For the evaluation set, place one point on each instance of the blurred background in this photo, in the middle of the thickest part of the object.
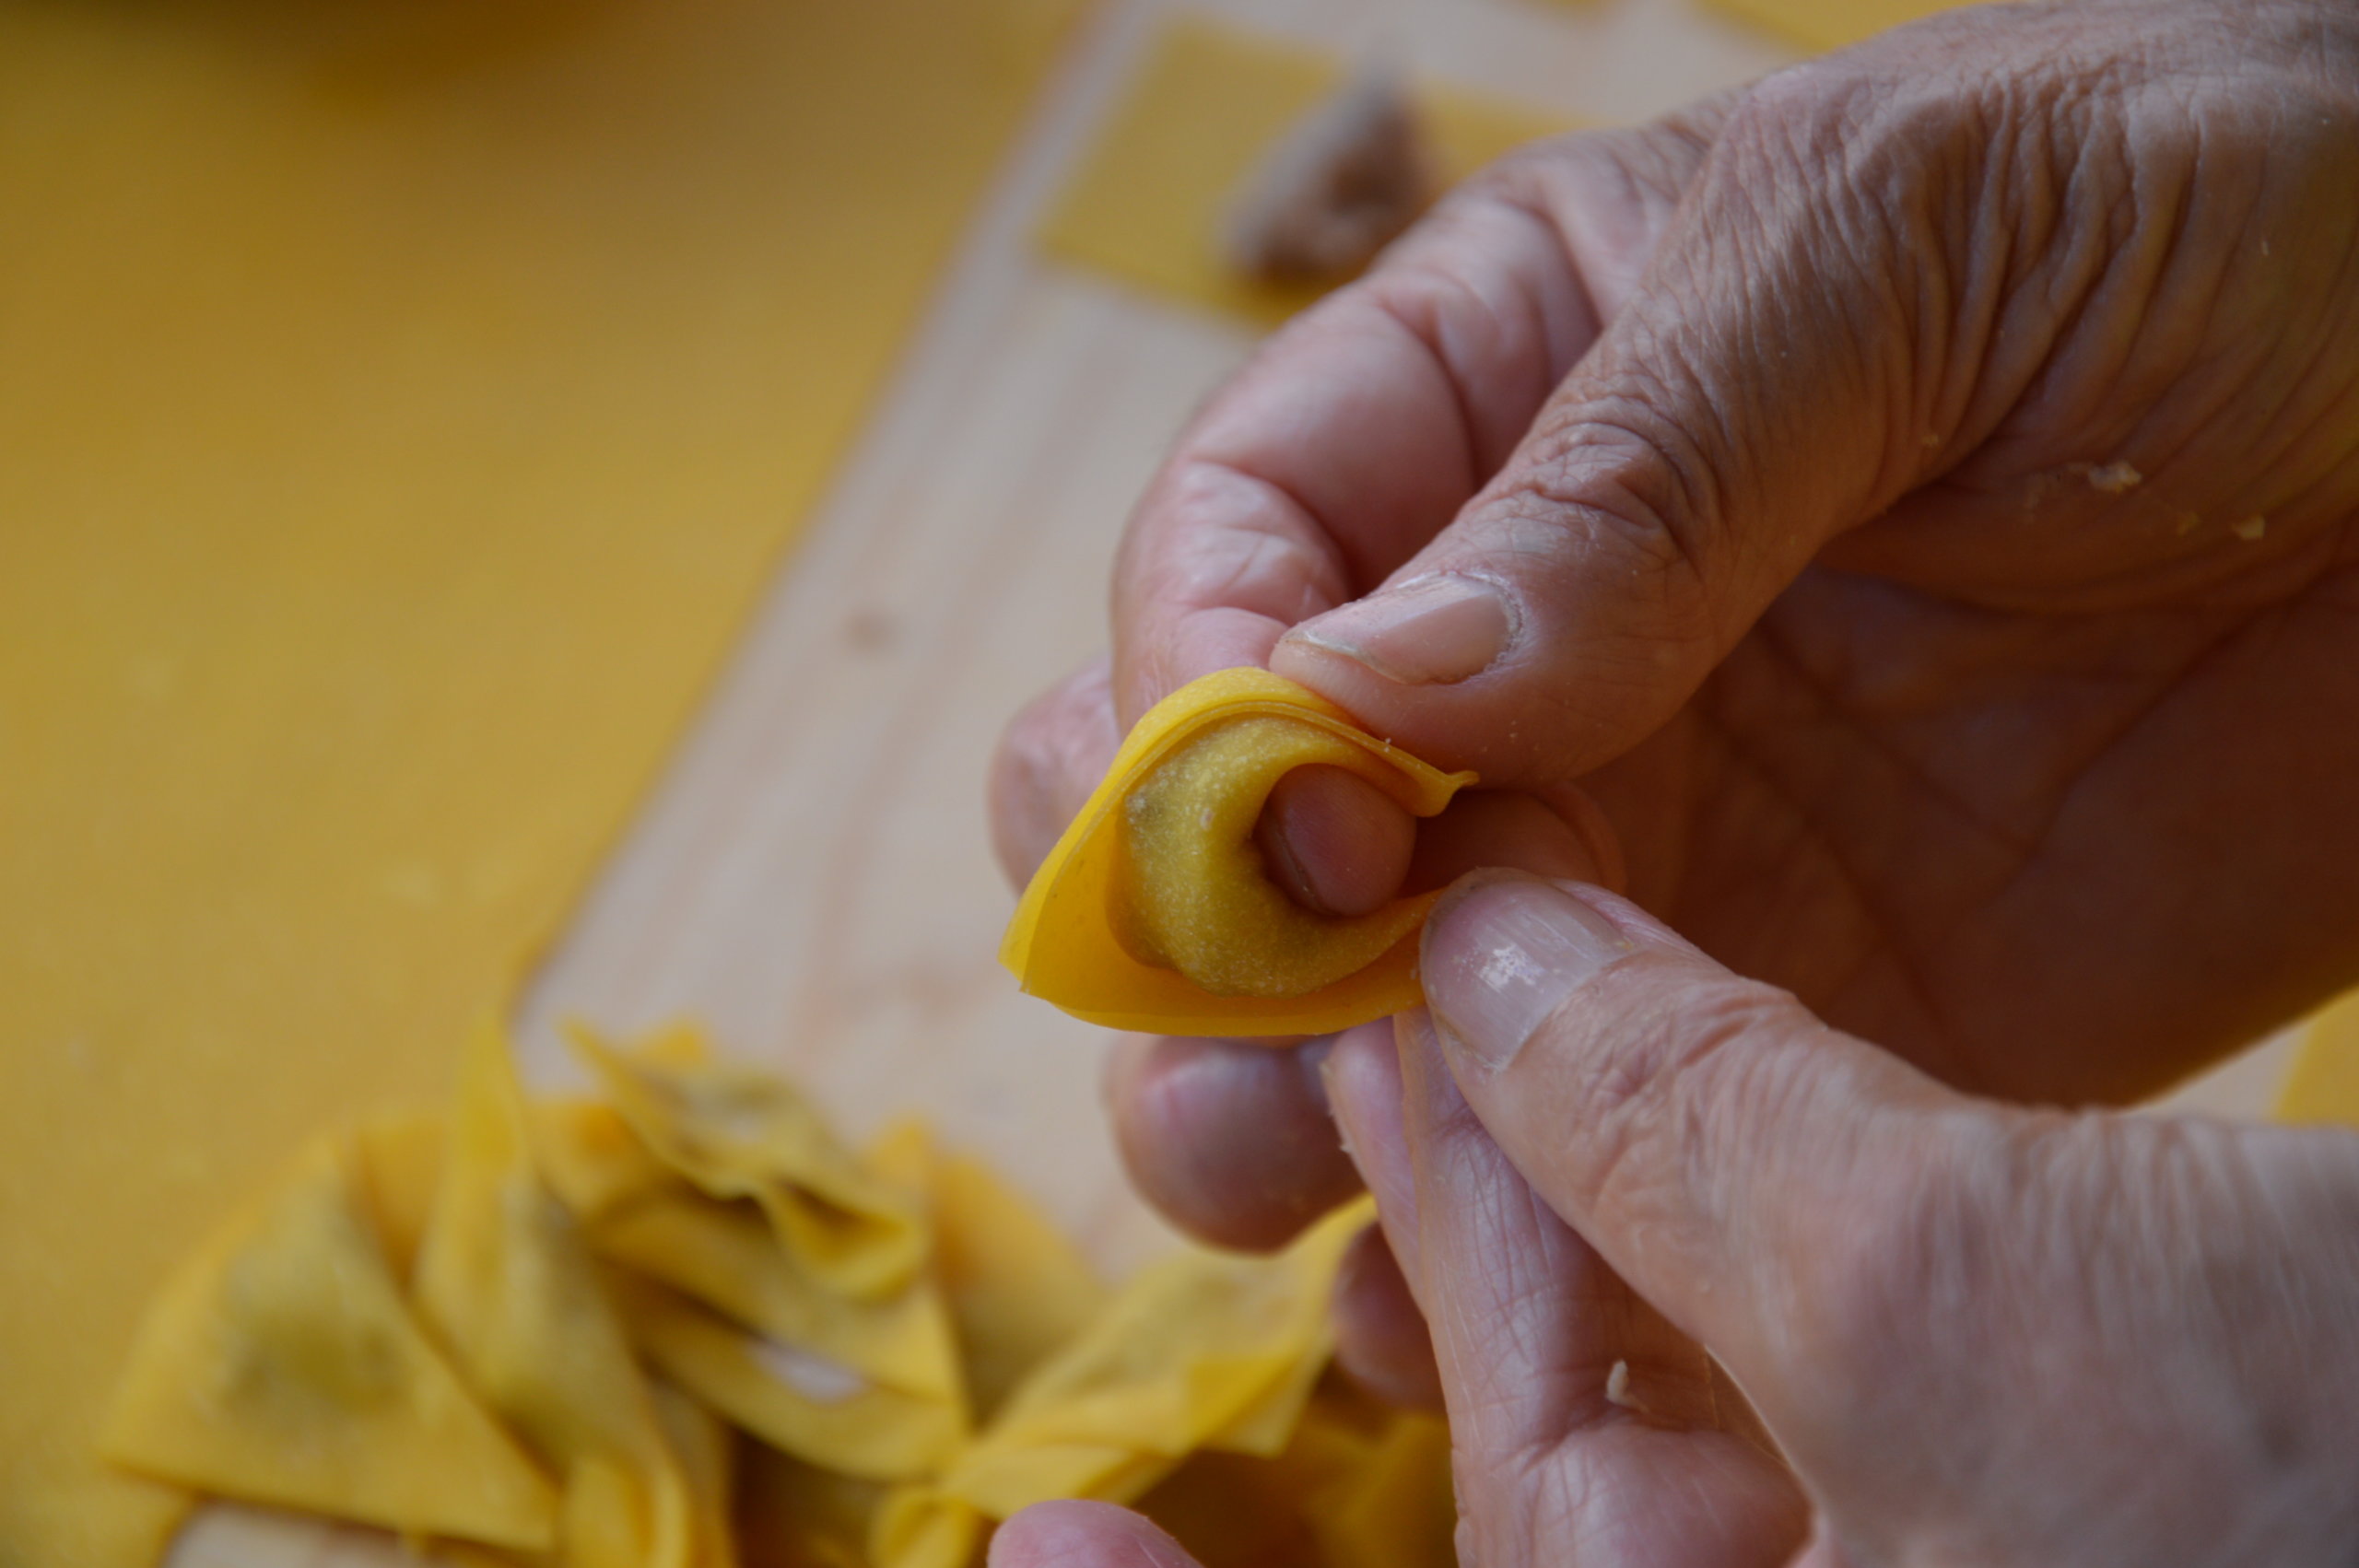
(540, 507)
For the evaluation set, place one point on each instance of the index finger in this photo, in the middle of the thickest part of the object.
(1351, 438)
(1578, 1414)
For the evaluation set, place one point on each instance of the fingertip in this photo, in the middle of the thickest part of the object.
(1381, 1336)
(1504, 952)
(1335, 842)
(1709, 1135)
(1558, 833)
(1048, 760)
(1229, 1139)
(1074, 1534)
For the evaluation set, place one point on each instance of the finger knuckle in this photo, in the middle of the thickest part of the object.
(1660, 1101)
(1615, 474)
(1904, 1258)
(1811, 113)
(1044, 766)
(1844, 164)
(1233, 538)
(1627, 457)
(1563, 182)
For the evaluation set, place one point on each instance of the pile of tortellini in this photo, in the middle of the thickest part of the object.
(680, 1325)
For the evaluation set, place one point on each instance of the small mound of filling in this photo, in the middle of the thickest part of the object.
(1192, 892)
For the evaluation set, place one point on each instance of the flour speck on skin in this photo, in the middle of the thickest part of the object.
(1507, 965)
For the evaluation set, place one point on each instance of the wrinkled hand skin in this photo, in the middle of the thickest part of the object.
(1784, 430)
(1977, 1334)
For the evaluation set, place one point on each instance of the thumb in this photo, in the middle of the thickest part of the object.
(1753, 398)
(1737, 1162)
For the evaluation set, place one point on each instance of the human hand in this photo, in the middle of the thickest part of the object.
(1756, 476)
(1979, 1334)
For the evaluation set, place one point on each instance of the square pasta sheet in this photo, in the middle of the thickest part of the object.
(1146, 204)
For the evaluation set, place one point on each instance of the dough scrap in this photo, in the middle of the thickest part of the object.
(1152, 912)
(796, 1515)
(282, 1366)
(1342, 184)
(707, 1456)
(596, 1163)
(399, 1161)
(783, 1280)
(791, 1398)
(1390, 1506)
(1203, 1350)
(737, 1133)
(1194, 1391)
(1017, 1290)
(1358, 1484)
(507, 1282)
(1153, 204)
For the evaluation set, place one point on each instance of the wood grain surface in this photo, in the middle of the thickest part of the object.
(812, 878)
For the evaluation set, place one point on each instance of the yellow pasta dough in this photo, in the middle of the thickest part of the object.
(1191, 892)
(791, 1514)
(1149, 204)
(1832, 24)
(400, 1161)
(785, 1281)
(1358, 1484)
(1153, 912)
(1016, 1289)
(2324, 1083)
(738, 1134)
(707, 1456)
(282, 1366)
(595, 1161)
(507, 1284)
(724, 1257)
(1203, 1350)
(791, 1398)
(1393, 1507)
(580, 1307)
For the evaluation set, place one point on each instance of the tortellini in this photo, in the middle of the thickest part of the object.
(1153, 912)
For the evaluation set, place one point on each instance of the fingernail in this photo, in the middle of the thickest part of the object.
(1429, 631)
(1502, 954)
